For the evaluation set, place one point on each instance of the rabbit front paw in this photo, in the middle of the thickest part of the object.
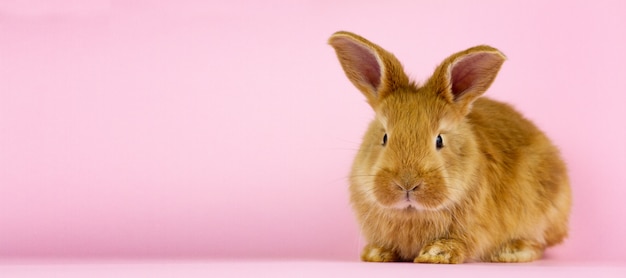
(443, 251)
(378, 254)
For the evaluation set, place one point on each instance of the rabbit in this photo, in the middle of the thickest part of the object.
(444, 175)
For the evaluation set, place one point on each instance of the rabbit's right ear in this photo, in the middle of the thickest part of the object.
(373, 70)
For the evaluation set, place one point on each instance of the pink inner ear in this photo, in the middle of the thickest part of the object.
(362, 60)
(472, 70)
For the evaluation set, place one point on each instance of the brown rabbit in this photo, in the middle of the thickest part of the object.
(444, 175)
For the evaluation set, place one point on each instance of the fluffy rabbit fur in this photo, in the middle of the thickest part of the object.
(444, 175)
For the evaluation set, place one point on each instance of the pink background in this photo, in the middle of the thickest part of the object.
(201, 129)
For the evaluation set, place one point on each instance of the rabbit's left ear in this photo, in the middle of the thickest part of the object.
(374, 71)
(466, 75)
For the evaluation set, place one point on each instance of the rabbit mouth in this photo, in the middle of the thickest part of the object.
(409, 208)
(408, 204)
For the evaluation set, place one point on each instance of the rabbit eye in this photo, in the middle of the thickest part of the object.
(439, 142)
(385, 140)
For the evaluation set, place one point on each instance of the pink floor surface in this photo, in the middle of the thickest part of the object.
(304, 268)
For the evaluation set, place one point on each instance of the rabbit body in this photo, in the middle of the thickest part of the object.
(445, 175)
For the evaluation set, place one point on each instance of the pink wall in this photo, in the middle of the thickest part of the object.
(195, 129)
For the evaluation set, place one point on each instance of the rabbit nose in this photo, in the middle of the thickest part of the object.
(408, 186)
